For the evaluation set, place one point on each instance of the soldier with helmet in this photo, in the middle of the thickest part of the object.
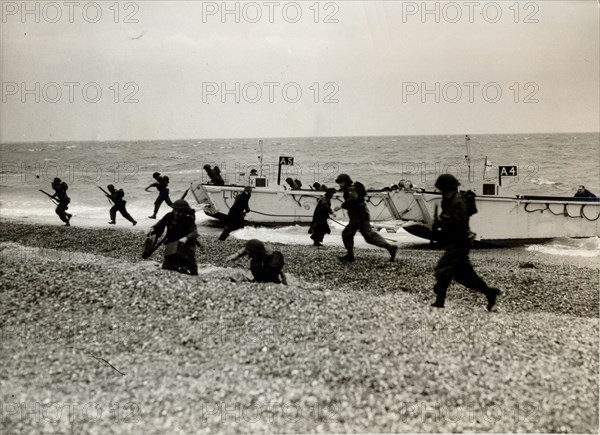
(265, 267)
(181, 239)
(320, 225)
(360, 220)
(237, 212)
(452, 228)
(116, 196)
(162, 186)
(60, 195)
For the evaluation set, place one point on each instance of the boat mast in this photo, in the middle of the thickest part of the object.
(260, 157)
(468, 156)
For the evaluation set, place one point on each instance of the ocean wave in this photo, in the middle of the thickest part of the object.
(543, 182)
(589, 247)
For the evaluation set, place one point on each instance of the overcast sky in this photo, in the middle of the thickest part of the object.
(373, 64)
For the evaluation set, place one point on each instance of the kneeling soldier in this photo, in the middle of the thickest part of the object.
(181, 242)
(265, 267)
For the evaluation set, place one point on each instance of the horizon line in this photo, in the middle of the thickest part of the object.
(292, 137)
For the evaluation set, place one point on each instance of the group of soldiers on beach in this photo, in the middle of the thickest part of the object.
(451, 227)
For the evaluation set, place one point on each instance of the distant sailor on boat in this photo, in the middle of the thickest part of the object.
(162, 185)
(360, 220)
(452, 228)
(116, 196)
(582, 192)
(237, 212)
(60, 195)
(292, 183)
(265, 267)
(215, 175)
(181, 241)
(320, 225)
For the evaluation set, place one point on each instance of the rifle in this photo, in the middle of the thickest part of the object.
(150, 246)
(50, 196)
(185, 193)
(106, 193)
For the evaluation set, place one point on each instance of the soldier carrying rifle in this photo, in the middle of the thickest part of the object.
(116, 196)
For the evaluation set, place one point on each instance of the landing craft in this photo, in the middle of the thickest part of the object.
(502, 216)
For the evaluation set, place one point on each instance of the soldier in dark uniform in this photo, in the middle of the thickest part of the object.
(116, 196)
(237, 212)
(265, 267)
(215, 175)
(60, 194)
(582, 192)
(452, 228)
(320, 226)
(360, 220)
(162, 185)
(181, 229)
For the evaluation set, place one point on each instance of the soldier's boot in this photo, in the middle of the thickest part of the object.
(440, 297)
(349, 257)
(392, 250)
(492, 296)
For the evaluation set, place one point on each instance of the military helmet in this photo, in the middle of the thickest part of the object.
(255, 245)
(330, 191)
(343, 178)
(181, 204)
(156, 174)
(248, 189)
(447, 182)
(110, 187)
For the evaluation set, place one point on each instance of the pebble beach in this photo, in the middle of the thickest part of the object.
(97, 340)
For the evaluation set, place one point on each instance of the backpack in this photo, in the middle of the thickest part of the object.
(275, 261)
(469, 198)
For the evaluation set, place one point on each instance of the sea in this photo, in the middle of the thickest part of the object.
(547, 164)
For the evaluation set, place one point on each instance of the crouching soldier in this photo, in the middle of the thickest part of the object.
(265, 267)
(181, 241)
(452, 228)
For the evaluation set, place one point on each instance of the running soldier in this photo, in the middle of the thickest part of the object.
(116, 196)
(162, 185)
(452, 228)
(360, 220)
(60, 195)
(237, 212)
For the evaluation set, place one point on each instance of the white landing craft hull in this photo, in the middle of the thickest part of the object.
(276, 206)
(520, 219)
